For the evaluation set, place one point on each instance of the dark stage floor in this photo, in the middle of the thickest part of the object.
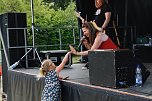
(76, 74)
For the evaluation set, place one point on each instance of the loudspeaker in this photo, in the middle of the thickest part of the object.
(14, 40)
(57, 56)
(114, 68)
(14, 37)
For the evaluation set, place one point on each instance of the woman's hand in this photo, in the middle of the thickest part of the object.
(98, 28)
(73, 50)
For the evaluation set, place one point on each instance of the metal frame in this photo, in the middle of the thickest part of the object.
(25, 42)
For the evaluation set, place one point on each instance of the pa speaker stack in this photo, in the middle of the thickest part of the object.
(12, 27)
(114, 68)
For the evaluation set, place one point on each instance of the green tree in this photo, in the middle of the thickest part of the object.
(47, 18)
(10, 6)
(62, 4)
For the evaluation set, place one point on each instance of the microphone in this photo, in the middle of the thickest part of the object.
(82, 39)
(14, 65)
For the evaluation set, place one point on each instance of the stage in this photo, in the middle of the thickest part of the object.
(23, 85)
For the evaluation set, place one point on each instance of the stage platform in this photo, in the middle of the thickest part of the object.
(23, 85)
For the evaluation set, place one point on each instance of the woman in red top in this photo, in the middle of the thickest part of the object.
(95, 39)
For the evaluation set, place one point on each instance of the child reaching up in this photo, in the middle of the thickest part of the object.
(52, 89)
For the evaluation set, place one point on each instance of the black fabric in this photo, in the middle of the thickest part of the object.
(75, 92)
(26, 87)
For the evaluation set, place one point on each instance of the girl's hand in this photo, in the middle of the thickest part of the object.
(60, 77)
(63, 78)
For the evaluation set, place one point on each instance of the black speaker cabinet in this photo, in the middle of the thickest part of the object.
(13, 37)
(57, 56)
(114, 68)
(13, 26)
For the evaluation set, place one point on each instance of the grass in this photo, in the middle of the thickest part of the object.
(75, 59)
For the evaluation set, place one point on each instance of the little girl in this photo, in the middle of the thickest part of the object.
(52, 89)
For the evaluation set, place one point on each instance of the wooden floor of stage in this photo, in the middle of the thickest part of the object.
(79, 75)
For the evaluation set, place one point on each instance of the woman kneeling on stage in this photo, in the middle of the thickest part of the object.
(96, 39)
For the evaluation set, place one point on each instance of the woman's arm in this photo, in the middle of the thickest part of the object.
(73, 51)
(96, 44)
(107, 20)
(62, 64)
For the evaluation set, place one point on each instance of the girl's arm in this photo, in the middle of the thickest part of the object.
(62, 64)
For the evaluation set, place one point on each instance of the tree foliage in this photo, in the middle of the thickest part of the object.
(10, 6)
(62, 4)
(48, 16)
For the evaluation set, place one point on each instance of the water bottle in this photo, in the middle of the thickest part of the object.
(150, 41)
(138, 76)
(122, 83)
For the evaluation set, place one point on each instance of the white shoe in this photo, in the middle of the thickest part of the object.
(83, 68)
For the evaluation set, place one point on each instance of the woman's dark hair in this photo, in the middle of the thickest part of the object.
(92, 31)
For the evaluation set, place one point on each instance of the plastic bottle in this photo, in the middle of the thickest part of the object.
(150, 41)
(138, 76)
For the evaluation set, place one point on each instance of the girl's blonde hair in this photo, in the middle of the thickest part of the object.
(46, 66)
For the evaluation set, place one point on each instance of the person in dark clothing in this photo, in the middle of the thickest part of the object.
(102, 18)
(103, 14)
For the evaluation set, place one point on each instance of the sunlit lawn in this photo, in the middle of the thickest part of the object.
(75, 59)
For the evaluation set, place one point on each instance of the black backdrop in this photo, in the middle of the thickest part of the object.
(87, 9)
(130, 13)
(140, 15)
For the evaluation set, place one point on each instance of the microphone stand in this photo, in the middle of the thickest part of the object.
(16, 63)
(33, 35)
(33, 25)
(32, 15)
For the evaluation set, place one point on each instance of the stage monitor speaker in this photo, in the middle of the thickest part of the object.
(114, 68)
